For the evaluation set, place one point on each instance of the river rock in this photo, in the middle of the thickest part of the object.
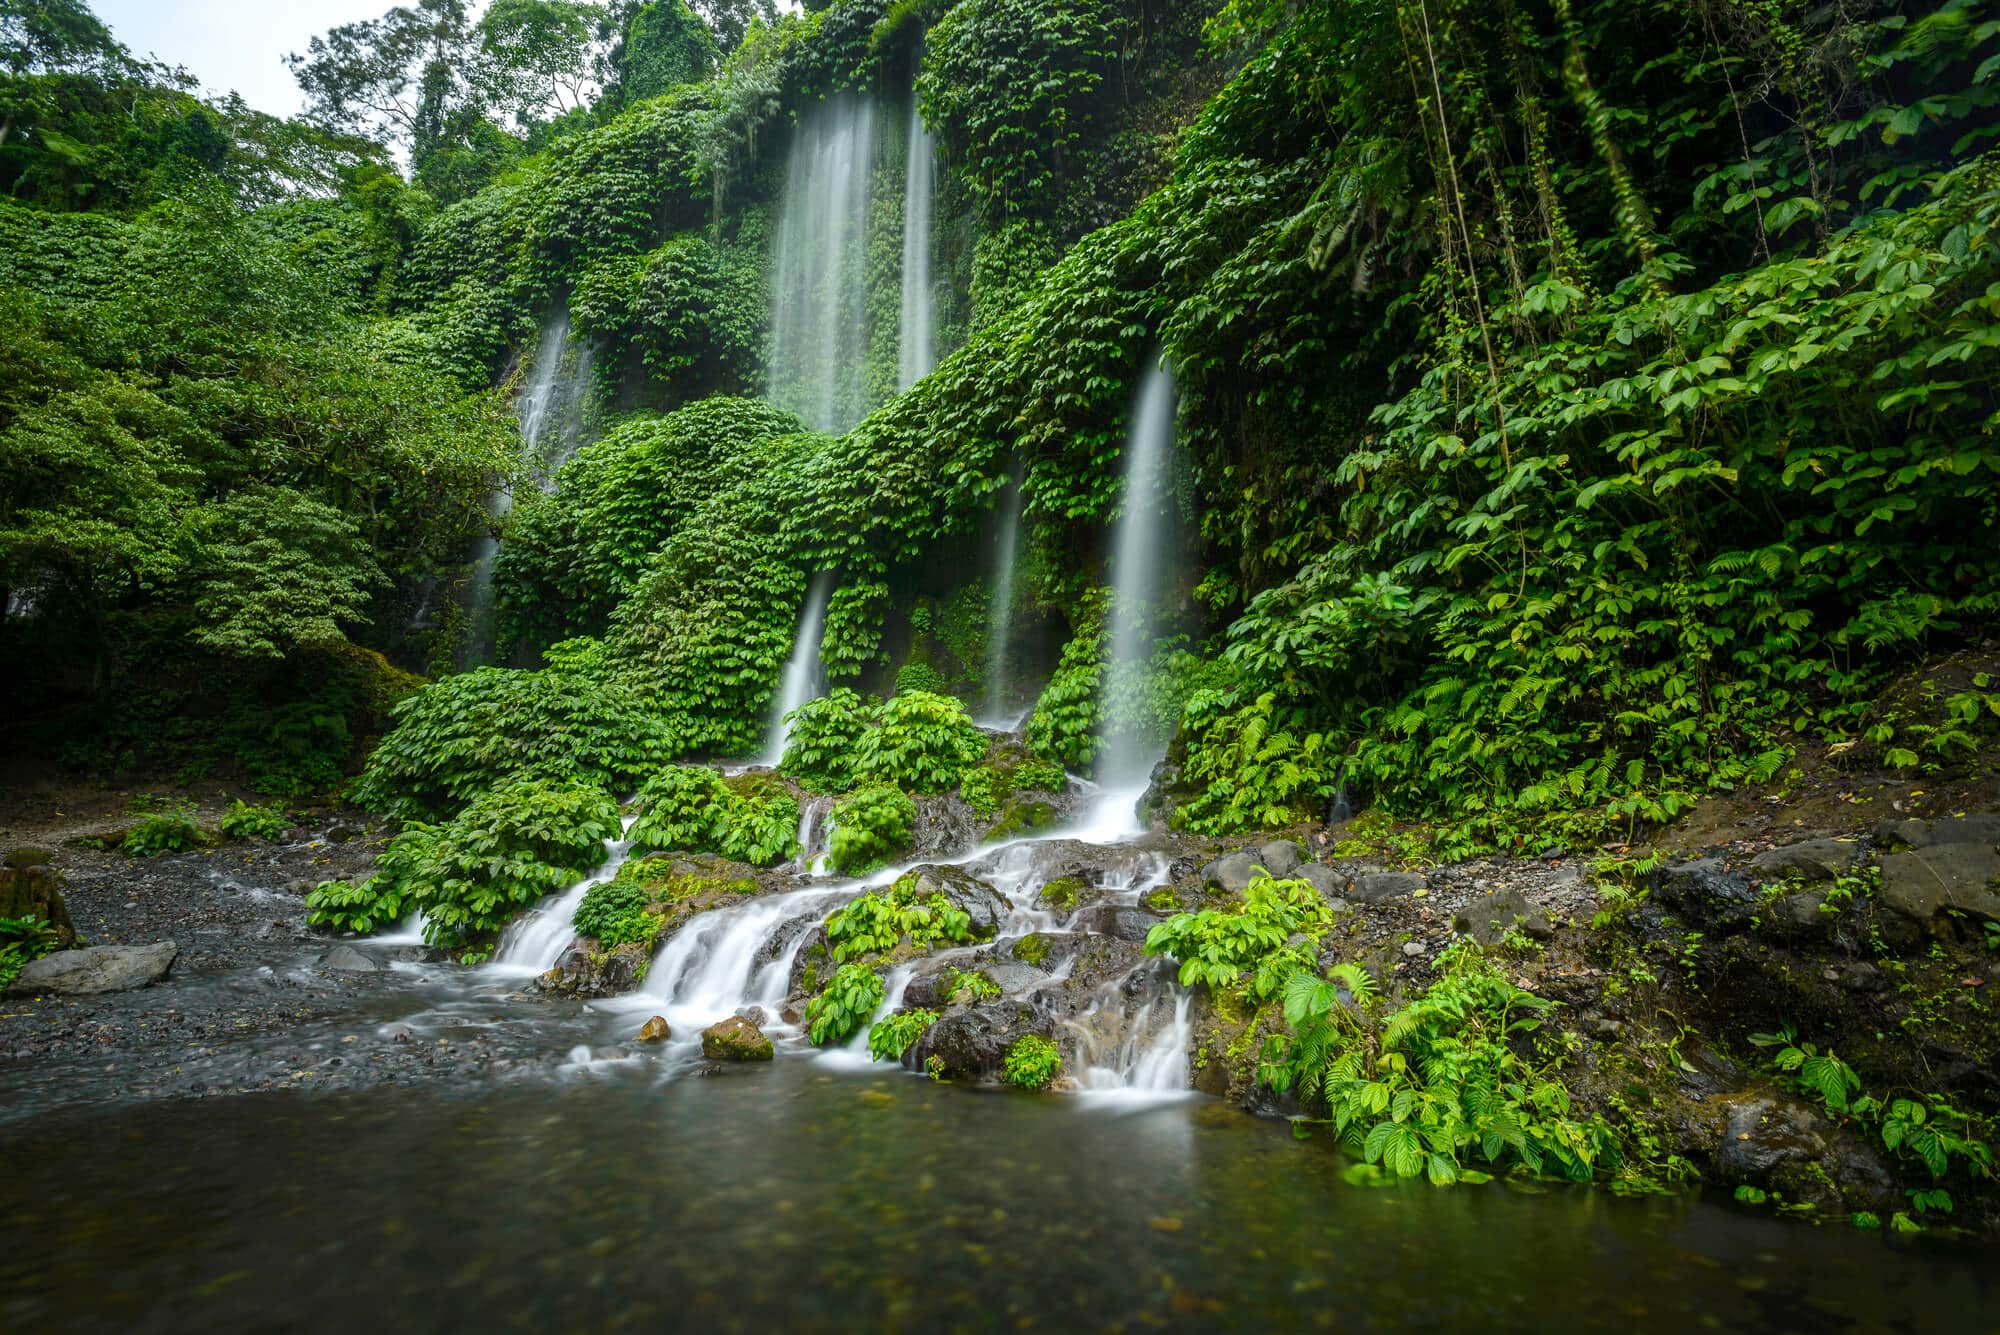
(984, 905)
(1233, 872)
(1013, 977)
(1783, 1145)
(735, 1040)
(1324, 879)
(655, 1030)
(973, 1042)
(1922, 884)
(1372, 885)
(1281, 857)
(1704, 884)
(1979, 827)
(346, 959)
(30, 887)
(1488, 919)
(96, 969)
(1813, 860)
(1799, 917)
(1124, 921)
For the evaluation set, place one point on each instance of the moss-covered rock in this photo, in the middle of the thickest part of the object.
(736, 1040)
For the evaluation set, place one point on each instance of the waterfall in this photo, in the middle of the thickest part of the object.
(819, 293)
(1000, 609)
(916, 352)
(549, 408)
(801, 681)
(1136, 1034)
(734, 957)
(815, 831)
(535, 942)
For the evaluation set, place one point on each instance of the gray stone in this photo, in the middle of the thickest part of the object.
(735, 1040)
(346, 959)
(1979, 827)
(1322, 878)
(973, 1042)
(1379, 887)
(1281, 857)
(1925, 882)
(1014, 977)
(96, 969)
(1488, 920)
(983, 905)
(1233, 873)
(1812, 860)
(1703, 883)
(1123, 921)
(1784, 1145)
(1413, 948)
(1799, 917)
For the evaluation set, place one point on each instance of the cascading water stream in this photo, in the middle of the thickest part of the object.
(536, 942)
(1000, 611)
(916, 351)
(802, 679)
(819, 316)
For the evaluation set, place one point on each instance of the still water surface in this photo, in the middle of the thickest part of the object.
(795, 1197)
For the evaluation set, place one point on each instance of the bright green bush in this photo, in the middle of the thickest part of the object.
(1447, 1076)
(1032, 1062)
(889, 1038)
(878, 921)
(349, 907)
(243, 821)
(919, 677)
(1243, 774)
(509, 846)
(985, 787)
(467, 733)
(1064, 725)
(825, 739)
(615, 914)
(1216, 946)
(694, 809)
(850, 997)
(870, 827)
(921, 743)
(25, 940)
(172, 830)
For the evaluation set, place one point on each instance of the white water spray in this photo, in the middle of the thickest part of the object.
(916, 351)
(819, 317)
(802, 679)
(1000, 609)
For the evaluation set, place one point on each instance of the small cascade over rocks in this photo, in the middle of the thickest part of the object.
(819, 291)
(550, 410)
(1134, 1038)
(536, 942)
(803, 679)
(916, 346)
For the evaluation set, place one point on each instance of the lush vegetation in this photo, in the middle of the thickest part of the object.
(615, 914)
(1031, 1062)
(694, 809)
(843, 1005)
(870, 827)
(877, 922)
(890, 1038)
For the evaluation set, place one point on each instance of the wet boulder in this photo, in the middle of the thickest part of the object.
(1490, 918)
(655, 1030)
(585, 973)
(1979, 827)
(1123, 921)
(31, 887)
(1326, 880)
(1705, 889)
(1782, 1145)
(972, 1043)
(95, 969)
(1281, 857)
(736, 1040)
(1372, 885)
(1813, 860)
(984, 905)
(346, 959)
(1232, 873)
(1924, 885)
(1013, 977)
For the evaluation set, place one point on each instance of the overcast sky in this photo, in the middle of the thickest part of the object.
(233, 44)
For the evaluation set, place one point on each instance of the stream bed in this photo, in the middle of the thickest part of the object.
(817, 1198)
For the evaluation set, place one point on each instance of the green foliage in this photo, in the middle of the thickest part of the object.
(243, 821)
(1243, 774)
(878, 922)
(23, 941)
(1215, 946)
(348, 907)
(964, 986)
(694, 809)
(870, 827)
(615, 914)
(1438, 1081)
(891, 1037)
(1031, 1062)
(466, 733)
(919, 678)
(172, 830)
(1008, 85)
(850, 997)
(1032, 949)
(987, 786)
(921, 742)
(1064, 724)
(823, 745)
(509, 847)
(1062, 892)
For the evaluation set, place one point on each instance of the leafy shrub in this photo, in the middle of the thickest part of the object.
(692, 808)
(824, 743)
(889, 1038)
(24, 940)
(966, 986)
(1215, 946)
(984, 787)
(508, 848)
(1064, 724)
(170, 831)
(1242, 774)
(615, 914)
(850, 997)
(878, 921)
(1032, 1062)
(467, 733)
(348, 907)
(921, 743)
(1438, 1080)
(919, 677)
(243, 821)
(870, 827)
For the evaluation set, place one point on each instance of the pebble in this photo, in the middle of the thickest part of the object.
(1413, 948)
